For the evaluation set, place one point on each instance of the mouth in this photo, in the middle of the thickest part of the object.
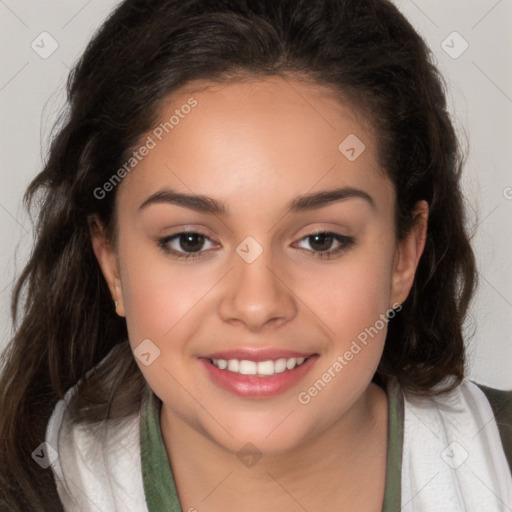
(257, 375)
(260, 368)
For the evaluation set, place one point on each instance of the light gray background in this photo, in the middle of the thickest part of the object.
(480, 96)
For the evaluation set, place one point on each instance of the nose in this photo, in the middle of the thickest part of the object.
(257, 294)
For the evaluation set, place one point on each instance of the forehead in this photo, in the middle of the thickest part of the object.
(268, 104)
(255, 136)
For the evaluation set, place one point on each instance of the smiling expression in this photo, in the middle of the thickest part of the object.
(252, 250)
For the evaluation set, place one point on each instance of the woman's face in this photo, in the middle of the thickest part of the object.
(270, 273)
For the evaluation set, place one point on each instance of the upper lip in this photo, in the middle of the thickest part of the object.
(256, 355)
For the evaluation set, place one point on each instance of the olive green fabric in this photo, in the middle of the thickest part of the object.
(159, 486)
(393, 492)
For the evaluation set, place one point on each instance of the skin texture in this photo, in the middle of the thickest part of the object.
(255, 146)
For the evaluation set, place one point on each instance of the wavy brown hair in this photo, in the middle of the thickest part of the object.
(65, 322)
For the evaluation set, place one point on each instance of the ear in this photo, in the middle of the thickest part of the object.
(408, 255)
(107, 259)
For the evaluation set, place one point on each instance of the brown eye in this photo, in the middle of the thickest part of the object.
(187, 244)
(191, 241)
(321, 244)
(321, 241)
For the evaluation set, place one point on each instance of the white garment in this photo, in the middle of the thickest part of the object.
(97, 470)
(452, 460)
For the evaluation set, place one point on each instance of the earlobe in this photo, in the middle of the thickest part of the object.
(107, 259)
(408, 255)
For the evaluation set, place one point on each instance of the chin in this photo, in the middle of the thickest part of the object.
(266, 437)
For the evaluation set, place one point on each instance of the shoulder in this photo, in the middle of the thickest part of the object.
(500, 401)
(100, 460)
(471, 403)
(468, 398)
(452, 442)
(501, 405)
(493, 407)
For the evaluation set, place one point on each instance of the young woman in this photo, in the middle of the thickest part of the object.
(250, 275)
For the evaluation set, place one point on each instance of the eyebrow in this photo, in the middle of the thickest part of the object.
(302, 203)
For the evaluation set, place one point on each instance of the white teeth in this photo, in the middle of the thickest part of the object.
(280, 365)
(233, 365)
(266, 368)
(290, 364)
(261, 368)
(247, 367)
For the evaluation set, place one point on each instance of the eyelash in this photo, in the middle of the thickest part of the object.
(346, 243)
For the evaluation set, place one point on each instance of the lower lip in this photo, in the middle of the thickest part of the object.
(252, 386)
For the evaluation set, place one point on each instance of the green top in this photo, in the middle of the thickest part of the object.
(160, 489)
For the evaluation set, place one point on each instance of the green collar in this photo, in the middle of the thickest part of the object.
(160, 489)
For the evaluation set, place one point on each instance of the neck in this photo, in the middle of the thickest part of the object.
(339, 464)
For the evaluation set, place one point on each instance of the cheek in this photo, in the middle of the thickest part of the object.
(161, 298)
(350, 295)
(352, 301)
(158, 293)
